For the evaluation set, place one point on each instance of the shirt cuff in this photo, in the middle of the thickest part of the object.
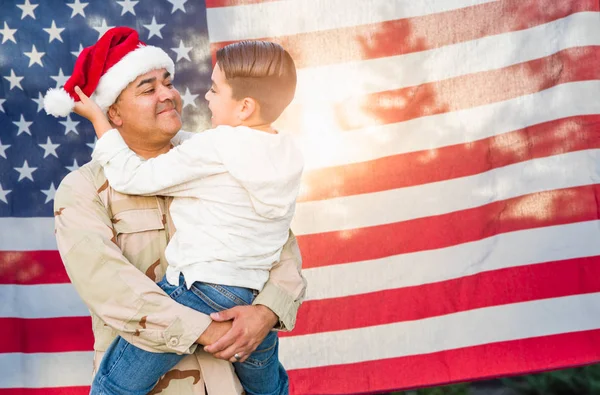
(107, 145)
(281, 303)
(181, 337)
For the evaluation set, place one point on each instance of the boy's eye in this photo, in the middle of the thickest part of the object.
(212, 90)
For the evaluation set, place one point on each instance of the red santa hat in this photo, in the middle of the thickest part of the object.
(103, 70)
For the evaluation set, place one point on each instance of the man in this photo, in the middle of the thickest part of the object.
(113, 245)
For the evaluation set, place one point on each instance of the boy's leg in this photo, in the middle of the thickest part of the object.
(126, 369)
(261, 373)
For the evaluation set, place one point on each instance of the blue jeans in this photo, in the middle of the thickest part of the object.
(126, 369)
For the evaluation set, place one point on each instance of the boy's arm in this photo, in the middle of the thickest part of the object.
(169, 174)
(115, 290)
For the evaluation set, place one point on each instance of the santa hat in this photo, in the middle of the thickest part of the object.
(103, 70)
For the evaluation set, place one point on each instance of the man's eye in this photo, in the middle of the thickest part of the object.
(170, 84)
(149, 91)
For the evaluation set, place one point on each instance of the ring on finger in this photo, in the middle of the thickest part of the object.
(237, 357)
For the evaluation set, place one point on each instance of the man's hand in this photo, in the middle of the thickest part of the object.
(251, 324)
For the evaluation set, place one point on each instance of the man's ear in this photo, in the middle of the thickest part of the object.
(114, 116)
(249, 106)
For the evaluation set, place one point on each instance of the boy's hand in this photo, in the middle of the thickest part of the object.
(251, 324)
(87, 108)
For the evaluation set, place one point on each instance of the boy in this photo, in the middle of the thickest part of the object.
(236, 187)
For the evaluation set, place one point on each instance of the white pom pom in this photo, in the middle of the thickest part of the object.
(57, 102)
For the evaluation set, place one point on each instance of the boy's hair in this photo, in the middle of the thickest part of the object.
(261, 70)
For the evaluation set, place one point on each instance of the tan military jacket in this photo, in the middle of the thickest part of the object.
(112, 246)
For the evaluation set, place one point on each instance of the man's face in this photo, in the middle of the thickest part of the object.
(148, 111)
(224, 108)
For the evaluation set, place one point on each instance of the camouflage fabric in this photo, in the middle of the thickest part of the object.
(112, 246)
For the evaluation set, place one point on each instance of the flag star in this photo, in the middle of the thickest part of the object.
(182, 51)
(54, 32)
(76, 53)
(3, 148)
(77, 8)
(102, 28)
(127, 6)
(92, 145)
(14, 80)
(70, 125)
(74, 167)
(154, 28)
(3, 193)
(1, 106)
(49, 148)
(27, 9)
(50, 192)
(188, 98)
(25, 171)
(177, 5)
(23, 126)
(8, 34)
(60, 79)
(39, 101)
(34, 56)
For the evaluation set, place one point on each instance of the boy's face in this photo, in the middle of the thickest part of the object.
(225, 110)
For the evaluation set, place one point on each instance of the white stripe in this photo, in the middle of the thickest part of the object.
(41, 301)
(283, 18)
(27, 234)
(324, 147)
(464, 329)
(352, 212)
(46, 369)
(355, 79)
(513, 249)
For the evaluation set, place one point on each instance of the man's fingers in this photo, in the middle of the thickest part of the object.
(225, 315)
(226, 341)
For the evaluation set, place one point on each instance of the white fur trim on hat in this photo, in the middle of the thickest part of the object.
(144, 59)
(57, 102)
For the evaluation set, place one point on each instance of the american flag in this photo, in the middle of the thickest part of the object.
(449, 215)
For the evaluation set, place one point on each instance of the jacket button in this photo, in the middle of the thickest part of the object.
(173, 341)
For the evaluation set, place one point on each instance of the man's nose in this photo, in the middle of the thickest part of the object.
(166, 93)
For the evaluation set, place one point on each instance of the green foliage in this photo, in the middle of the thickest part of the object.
(578, 381)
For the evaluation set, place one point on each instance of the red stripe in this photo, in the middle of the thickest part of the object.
(399, 171)
(32, 267)
(232, 3)
(463, 364)
(35, 335)
(398, 37)
(524, 212)
(504, 286)
(46, 391)
(468, 91)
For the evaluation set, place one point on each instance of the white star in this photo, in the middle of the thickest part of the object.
(25, 171)
(177, 5)
(127, 6)
(77, 8)
(50, 192)
(3, 148)
(102, 28)
(70, 125)
(1, 106)
(14, 80)
(49, 148)
(23, 126)
(27, 9)
(74, 167)
(34, 56)
(188, 98)
(54, 32)
(60, 79)
(3, 193)
(76, 53)
(92, 145)
(182, 52)
(8, 34)
(39, 101)
(154, 28)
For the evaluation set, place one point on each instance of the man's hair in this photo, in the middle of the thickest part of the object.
(261, 70)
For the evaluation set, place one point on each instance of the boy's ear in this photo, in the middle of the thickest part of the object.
(249, 106)
(114, 116)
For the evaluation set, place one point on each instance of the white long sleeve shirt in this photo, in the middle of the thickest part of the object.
(235, 191)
